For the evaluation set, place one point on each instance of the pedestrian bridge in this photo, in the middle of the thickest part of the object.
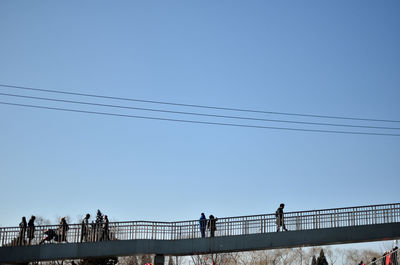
(244, 233)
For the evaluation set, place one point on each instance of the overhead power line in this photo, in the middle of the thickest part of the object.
(199, 114)
(198, 122)
(198, 106)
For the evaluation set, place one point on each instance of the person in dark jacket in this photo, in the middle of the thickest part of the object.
(105, 227)
(279, 218)
(203, 225)
(31, 229)
(212, 225)
(22, 231)
(394, 257)
(85, 228)
(50, 234)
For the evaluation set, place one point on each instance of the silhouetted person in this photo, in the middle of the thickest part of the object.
(22, 231)
(85, 228)
(50, 234)
(361, 263)
(203, 225)
(395, 260)
(279, 218)
(373, 261)
(384, 258)
(105, 227)
(62, 230)
(388, 259)
(393, 256)
(212, 225)
(31, 229)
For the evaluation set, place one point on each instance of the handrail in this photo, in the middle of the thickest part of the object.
(227, 226)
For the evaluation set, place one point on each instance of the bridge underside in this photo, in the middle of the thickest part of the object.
(291, 239)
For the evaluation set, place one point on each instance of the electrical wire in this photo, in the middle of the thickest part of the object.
(199, 114)
(198, 106)
(198, 122)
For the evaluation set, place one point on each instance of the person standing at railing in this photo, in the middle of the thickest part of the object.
(22, 232)
(203, 225)
(394, 258)
(212, 225)
(388, 260)
(62, 230)
(31, 229)
(105, 234)
(279, 218)
(361, 263)
(85, 228)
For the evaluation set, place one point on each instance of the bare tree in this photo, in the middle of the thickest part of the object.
(131, 260)
(200, 259)
(331, 256)
(175, 260)
(42, 221)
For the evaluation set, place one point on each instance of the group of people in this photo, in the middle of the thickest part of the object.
(59, 235)
(388, 258)
(211, 223)
(26, 229)
(89, 232)
(99, 231)
(94, 231)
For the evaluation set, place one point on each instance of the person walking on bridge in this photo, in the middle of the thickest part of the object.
(279, 218)
(85, 228)
(203, 225)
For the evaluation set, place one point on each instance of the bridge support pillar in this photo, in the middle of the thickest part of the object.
(159, 259)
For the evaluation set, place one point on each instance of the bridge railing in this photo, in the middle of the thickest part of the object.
(230, 226)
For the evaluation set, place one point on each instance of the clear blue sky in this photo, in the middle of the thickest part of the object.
(337, 58)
